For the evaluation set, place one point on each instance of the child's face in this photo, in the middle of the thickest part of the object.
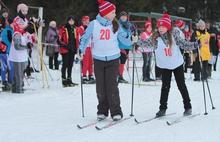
(71, 22)
(24, 11)
(85, 22)
(124, 18)
(162, 30)
(111, 16)
(149, 29)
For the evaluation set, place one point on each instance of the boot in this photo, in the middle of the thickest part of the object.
(70, 83)
(6, 86)
(161, 113)
(122, 80)
(101, 117)
(64, 82)
(84, 80)
(91, 79)
(117, 117)
(187, 112)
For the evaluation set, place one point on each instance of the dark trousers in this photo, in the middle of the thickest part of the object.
(180, 80)
(67, 65)
(186, 61)
(198, 72)
(147, 58)
(106, 74)
(157, 72)
(53, 61)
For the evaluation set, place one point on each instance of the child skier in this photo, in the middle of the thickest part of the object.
(167, 43)
(147, 53)
(87, 59)
(6, 65)
(205, 55)
(18, 53)
(104, 32)
(128, 29)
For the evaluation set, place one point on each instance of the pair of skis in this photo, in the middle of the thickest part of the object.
(169, 122)
(108, 125)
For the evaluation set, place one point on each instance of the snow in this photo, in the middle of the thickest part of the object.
(51, 114)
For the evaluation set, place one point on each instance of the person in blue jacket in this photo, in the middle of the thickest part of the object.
(128, 30)
(105, 34)
(6, 65)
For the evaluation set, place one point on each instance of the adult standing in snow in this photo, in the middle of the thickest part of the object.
(87, 58)
(20, 43)
(167, 43)
(52, 37)
(204, 37)
(213, 47)
(68, 39)
(106, 53)
(147, 53)
(128, 29)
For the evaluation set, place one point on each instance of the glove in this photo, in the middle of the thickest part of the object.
(197, 44)
(29, 45)
(134, 38)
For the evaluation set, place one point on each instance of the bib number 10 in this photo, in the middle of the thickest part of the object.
(104, 34)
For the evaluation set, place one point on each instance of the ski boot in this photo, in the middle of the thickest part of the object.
(122, 80)
(161, 113)
(187, 112)
(70, 83)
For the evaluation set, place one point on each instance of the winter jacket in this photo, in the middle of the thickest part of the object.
(52, 37)
(204, 38)
(67, 42)
(168, 57)
(108, 53)
(126, 32)
(6, 36)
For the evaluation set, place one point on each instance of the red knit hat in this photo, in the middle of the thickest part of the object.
(84, 18)
(147, 23)
(179, 23)
(164, 21)
(105, 7)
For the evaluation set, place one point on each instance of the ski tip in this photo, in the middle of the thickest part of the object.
(136, 121)
(97, 128)
(168, 123)
(78, 126)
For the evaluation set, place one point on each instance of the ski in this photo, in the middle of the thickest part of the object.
(89, 124)
(153, 118)
(112, 123)
(182, 118)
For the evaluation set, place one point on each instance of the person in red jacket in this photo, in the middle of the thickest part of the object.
(87, 58)
(68, 40)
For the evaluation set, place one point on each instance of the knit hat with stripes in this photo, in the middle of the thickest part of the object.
(164, 21)
(105, 7)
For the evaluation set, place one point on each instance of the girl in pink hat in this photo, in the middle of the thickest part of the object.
(167, 43)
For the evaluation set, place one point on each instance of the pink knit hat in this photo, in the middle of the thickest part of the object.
(165, 21)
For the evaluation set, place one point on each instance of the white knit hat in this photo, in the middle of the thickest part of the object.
(201, 23)
(21, 7)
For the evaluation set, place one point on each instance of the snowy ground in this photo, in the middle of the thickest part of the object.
(51, 115)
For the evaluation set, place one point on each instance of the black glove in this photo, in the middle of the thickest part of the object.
(29, 45)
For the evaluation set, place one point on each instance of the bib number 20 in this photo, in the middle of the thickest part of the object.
(104, 34)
